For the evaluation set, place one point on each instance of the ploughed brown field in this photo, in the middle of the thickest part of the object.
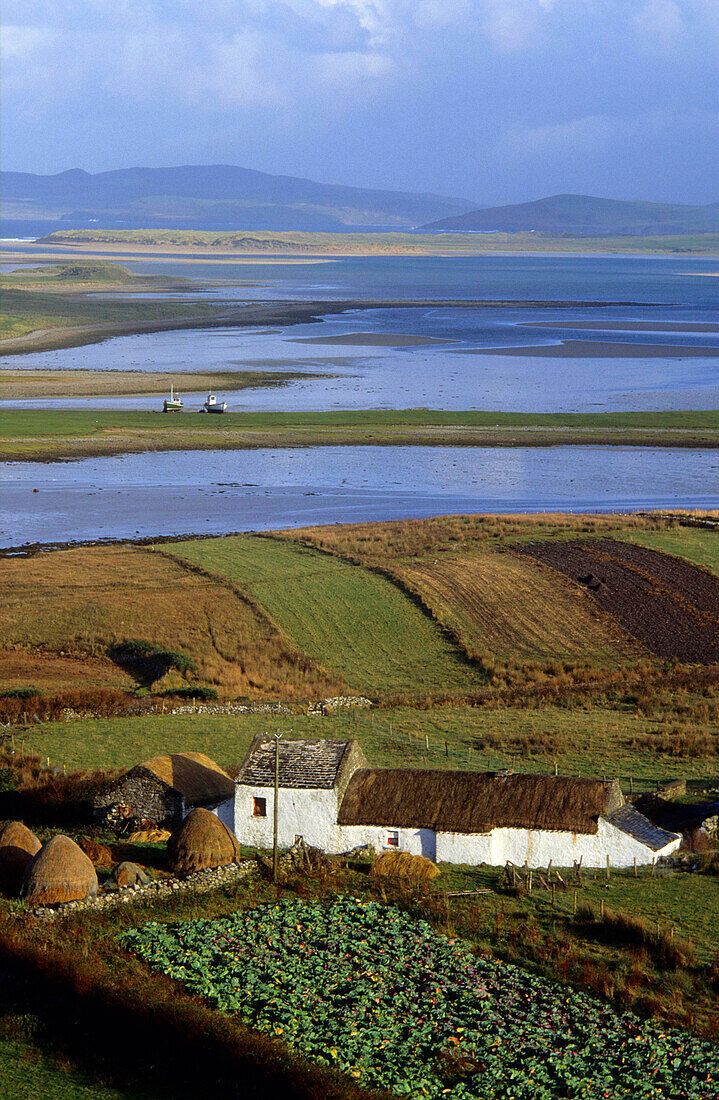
(60, 611)
(666, 603)
(502, 604)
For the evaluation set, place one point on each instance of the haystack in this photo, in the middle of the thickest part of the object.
(404, 865)
(59, 872)
(17, 847)
(98, 854)
(201, 842)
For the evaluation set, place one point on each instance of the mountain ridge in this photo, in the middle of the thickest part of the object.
(212, 196)
(583, 215)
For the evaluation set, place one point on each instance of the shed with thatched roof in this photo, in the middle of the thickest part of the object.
(330, 797)
(201, 842)
(165, 788)
(313, 777)
(60, 872)
(17, 847)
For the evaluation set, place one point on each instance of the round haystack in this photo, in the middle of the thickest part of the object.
(17, 847)
(129, 874)
(404, 865)
(201, 842)
(59, 872)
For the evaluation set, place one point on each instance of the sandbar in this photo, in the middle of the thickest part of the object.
(373, 339)
(598, 349)
(629, 326)
(18, 385)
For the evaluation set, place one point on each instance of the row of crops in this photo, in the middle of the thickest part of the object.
(386, 999)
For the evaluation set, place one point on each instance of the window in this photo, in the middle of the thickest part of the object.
(393, 840)
(259, 807)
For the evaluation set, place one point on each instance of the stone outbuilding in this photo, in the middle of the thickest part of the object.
(331, 798)
(166, 788)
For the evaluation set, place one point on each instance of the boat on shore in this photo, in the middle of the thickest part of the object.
(173, 403)
(212, 405)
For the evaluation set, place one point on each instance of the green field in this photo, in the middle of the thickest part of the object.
(593, 741)
(696, 544)
(352, 621)
(45, 434)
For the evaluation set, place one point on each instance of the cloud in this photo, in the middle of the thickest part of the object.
(432, 94)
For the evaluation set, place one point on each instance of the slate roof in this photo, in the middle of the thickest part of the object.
(636, 825)
(476, 802)
(303, 763)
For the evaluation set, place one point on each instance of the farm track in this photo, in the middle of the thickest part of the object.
(669, 605)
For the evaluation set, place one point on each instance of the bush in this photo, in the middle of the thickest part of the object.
(207, 694)
(149, 662)
(21, 693)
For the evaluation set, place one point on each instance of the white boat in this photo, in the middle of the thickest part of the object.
(173, 403)
(212, 405)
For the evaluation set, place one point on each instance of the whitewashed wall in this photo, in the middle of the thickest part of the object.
(226, 813)
(312, 814)
(536, 848)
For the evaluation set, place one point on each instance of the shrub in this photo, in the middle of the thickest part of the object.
(196, 692)
(149, 662)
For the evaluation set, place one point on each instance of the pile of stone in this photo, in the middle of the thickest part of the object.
(331, 706)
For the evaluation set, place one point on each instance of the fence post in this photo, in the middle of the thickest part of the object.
(635, 866)
(426, 741)
(601, 908)
(575, 903)
(607, 868)
(630, 785)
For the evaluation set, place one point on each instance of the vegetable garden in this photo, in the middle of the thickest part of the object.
(384, 998)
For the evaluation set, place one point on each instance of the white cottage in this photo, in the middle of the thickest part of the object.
(334, 801)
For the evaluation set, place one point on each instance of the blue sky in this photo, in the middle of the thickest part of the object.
(493, 100)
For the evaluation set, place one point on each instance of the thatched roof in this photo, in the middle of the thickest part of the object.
(59, 872)
(17, 847)
(303, 763)
(475, 802)
(193, 775)
(202, 841)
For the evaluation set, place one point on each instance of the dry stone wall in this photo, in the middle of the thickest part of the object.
(200, 882)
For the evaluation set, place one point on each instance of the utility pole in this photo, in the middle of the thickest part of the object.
(278, 738)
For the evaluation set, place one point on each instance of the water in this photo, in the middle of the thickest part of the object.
(462, 369)
(214, 492)
(455, 363)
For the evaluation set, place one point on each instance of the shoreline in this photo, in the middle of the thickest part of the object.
(264, 313)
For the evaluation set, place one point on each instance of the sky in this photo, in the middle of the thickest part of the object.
(491, 100)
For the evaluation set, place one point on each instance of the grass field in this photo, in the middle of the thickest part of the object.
(353, 622)
(698, 545)
(504, 606)
(593, 741)
(26, 1073)
(384, 243)
(75, 603)
(53, 434)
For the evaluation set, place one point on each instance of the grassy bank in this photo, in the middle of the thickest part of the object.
(48, 434)
(389, 244)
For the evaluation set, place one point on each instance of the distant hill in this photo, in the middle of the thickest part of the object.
(583, 215)
(208, 197)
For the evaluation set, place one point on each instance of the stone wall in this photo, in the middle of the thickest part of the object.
(147, 796)
(200, 882)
